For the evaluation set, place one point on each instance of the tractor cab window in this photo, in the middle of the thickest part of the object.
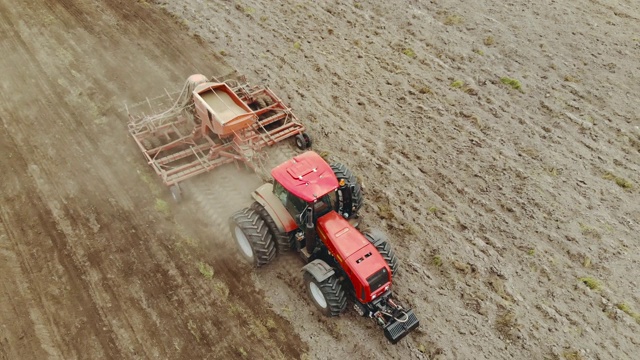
(280, 192)
(294, 205)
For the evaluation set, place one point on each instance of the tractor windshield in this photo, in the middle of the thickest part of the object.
(324, 204)
(294, 205)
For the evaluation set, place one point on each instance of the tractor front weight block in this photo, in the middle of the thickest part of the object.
(397, 328)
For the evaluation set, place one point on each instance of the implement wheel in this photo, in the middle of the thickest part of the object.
(252, 236)
(301, 142)
(307, 140)
(381, 242)
(282, 240)
(328, 295)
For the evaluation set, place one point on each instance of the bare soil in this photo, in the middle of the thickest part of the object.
(498, 144)
(93, 264)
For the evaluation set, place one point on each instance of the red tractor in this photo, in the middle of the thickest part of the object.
(312, 208)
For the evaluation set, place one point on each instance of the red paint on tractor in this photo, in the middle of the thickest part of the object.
(306, 176)
(356, 255)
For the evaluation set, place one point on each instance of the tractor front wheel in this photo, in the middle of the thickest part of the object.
(327, 295)
(381, 242)
(252, 237)
(351, 198)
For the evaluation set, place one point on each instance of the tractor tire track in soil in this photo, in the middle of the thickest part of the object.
(90, 265)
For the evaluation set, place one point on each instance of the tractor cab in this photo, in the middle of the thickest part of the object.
(305, 181)
(296, 206)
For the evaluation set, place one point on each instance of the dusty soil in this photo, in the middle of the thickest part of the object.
(92, 262)
(515, 211)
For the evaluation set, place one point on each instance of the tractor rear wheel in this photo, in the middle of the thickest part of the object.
(252, 237)
(381, 242)
(282, 240)
(343, 173)
(327, 295)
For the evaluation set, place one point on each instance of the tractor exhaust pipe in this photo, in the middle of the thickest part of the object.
(310, 231)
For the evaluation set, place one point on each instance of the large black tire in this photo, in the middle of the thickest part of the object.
(381, 242)
(328, 295)
(252, 236)
(355, 201)
(282, 240)
(307, 140)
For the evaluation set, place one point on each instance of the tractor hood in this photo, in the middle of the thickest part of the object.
(306, 176)
(367, 269)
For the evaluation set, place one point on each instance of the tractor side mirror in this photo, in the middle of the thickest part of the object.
(302, 217)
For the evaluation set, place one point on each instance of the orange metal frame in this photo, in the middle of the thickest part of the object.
(184, 147)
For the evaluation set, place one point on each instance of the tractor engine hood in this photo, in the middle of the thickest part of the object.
(360, 260)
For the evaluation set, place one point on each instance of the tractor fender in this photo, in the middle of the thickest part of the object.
(265, 197)
(319, 269)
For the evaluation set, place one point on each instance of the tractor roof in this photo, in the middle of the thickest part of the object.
(306, 176)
